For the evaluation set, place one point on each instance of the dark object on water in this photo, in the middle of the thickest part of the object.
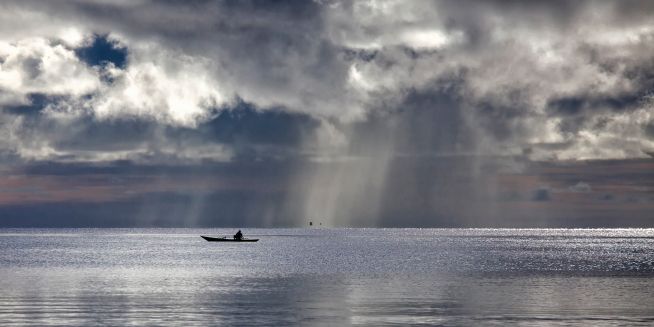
(238, 235)
(311, 223)
(225, 239)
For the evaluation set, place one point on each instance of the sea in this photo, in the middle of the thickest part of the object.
(327, 277)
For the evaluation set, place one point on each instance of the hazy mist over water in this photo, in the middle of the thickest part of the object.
(451, 277)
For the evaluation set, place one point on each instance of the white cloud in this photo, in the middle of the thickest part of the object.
(430, 39)
(581, 187)
(166, 86)
(35, 65)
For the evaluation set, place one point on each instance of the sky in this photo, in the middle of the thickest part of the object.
(344, 113)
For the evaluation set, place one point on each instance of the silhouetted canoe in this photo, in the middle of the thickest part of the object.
(225, 239)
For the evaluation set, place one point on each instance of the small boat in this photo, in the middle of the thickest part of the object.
(225, 239)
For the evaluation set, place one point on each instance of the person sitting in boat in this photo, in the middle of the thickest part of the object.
(238, 235)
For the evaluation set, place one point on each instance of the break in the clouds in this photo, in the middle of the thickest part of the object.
(348, 93)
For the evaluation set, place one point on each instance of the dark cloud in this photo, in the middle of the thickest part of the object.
(35, 103)
(86, 134)
(244, 124)
(576, 105)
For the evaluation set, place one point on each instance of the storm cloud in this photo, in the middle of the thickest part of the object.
(351, 98)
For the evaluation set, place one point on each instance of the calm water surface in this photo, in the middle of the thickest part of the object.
(449, 277)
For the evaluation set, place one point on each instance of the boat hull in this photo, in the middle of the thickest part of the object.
(225, 239)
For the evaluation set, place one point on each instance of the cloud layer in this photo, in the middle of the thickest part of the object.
(552, 80)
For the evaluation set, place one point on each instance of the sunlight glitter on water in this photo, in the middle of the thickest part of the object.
(327, 277)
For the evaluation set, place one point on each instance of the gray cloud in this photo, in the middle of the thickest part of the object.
(649, 130)
(523, 75)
